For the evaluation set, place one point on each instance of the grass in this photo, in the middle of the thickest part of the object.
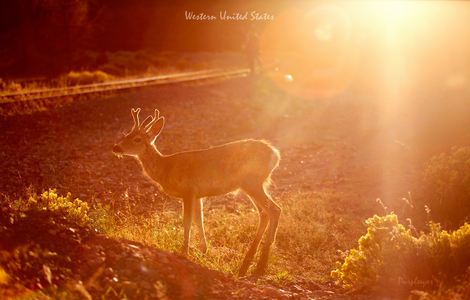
(86, 77)
(126, 64)
(314, 225)
(107, 67)
(309, 234)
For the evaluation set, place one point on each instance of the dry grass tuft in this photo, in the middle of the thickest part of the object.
(86, 77)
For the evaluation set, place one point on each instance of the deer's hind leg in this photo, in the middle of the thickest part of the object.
(269, 214)
(273, 212)
(263, 223)
(274, 215)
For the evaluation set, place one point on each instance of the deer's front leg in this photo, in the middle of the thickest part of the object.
(188, 203)
(199, 221)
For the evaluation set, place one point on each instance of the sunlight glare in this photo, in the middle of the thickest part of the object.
(288, 78)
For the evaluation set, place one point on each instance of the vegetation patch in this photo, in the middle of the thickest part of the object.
(86, 77)
(390, 257)
(50, 249)
(309, 234)
(447, 185)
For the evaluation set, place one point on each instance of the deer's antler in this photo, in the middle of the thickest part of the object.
(154, 119)
(135, 117)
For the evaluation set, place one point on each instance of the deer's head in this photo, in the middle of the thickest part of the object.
(141, 135)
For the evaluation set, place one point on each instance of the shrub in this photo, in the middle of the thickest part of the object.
(74, 210)
(86, 77)
(34, 230)
(3, 276)
(10, 86)
(390, 257)
(447, 185)
(460, 290)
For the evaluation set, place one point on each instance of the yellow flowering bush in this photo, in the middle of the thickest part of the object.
(34, 229)
(391, 257)
(74, 210)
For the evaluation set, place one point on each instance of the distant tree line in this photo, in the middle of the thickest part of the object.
(47, 37)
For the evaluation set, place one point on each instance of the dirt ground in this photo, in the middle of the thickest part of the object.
(324, 143)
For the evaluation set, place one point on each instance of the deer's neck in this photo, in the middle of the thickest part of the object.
(153, 163)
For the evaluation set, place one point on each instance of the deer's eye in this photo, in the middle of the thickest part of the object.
(137, 139)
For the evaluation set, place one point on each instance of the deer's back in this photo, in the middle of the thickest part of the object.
(220, 169)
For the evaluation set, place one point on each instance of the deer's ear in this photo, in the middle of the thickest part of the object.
(155, 129)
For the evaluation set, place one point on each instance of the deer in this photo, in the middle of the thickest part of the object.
(242, 165)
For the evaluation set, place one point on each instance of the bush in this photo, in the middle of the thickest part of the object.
(86, 77)
(34, 230)
(74, 210)
(390, 258)
(447, 185)
(10, 86)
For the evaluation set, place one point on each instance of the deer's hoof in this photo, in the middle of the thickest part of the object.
(242, 271)
(258, 273)
(260, 270)
(185, 251)
(203, 248)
